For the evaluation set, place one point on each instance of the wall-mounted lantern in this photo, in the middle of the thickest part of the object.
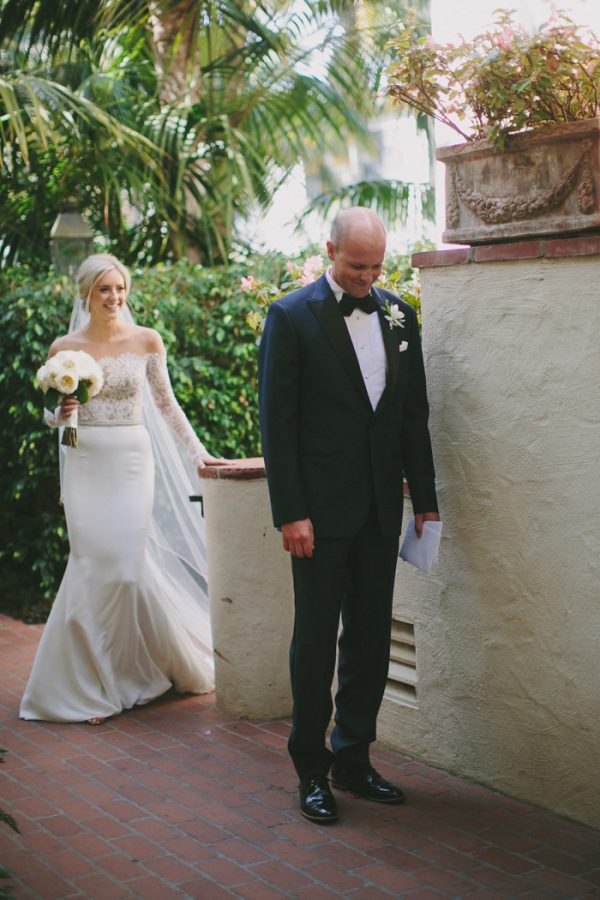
(71, 239)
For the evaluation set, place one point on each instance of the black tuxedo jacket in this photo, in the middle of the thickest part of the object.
(328, 454)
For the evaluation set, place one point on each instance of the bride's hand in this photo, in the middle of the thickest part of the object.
(68, 405)
(207, 460)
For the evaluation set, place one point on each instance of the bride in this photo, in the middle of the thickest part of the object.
(131, 616)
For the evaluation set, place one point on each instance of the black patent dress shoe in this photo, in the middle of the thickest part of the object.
(365, 782)
(317, 803)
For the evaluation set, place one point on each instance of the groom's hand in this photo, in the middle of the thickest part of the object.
(298, 537)
(420, 518)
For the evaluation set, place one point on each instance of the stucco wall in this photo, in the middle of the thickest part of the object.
(507, 629)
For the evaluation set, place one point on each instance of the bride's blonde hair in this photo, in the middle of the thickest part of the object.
(92, 269)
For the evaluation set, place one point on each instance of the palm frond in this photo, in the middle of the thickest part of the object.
(390, 198)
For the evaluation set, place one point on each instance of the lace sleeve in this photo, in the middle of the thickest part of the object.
(54, 419)
(160, 385)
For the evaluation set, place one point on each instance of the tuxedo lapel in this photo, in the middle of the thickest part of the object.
(325, 308)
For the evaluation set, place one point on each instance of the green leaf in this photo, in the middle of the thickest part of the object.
(52, 399)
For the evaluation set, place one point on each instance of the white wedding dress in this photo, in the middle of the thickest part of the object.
(126, 624)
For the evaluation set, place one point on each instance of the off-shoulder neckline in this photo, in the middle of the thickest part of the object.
(101, 359)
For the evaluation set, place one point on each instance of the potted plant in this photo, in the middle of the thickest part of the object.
(526, 105)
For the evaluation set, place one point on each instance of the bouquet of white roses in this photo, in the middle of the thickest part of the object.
(70, 372)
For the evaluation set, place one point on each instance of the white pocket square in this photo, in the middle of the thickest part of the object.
(403, 346)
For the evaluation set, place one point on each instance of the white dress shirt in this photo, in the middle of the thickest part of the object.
(367, 340)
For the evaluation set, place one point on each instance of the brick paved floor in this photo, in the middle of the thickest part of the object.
(178, 800)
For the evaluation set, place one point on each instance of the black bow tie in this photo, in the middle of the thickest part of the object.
(348, 304)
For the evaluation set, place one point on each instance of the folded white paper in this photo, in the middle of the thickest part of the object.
(422, 552)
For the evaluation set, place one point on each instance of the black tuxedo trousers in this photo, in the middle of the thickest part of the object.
(351, 578)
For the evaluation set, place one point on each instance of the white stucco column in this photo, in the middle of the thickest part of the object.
(250, 593)
(506, 631)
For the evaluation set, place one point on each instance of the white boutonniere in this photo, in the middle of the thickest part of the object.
(394, 315)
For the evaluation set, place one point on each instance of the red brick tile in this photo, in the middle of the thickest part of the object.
(338, 853)
(562, 862)
(43, 843)
(203, 831)
(22, 862)
(89, 845)
(282, 876)
(432, 258)
(219, 814)
(137, 848)
(120, 867)
(266, 815)
(444, 881)
(507, 862)
(508, 250)
(150, 888)
(396, 857)
(122, 810)
(370, 893)
(172, 869)
(508, 839)
(189, 849)
(70, 864)
(563, 884)
(295, 855)
(239, 852)
(253, 833)
(96, 794)
(500, 881)
(48, 885)
(388, 877)
(577, 246)
(203, 889)
(352, 837)
(76, 809)
(458, 840)
(225, 873)
(483, 894)
(335, 876)
(257, 890)
(401, 836)
(156, 830)
(316, 892)
(277, 798)
(61, 825)
(107, 827)
(446, 858)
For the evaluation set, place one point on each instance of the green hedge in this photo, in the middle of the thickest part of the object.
(201, 314)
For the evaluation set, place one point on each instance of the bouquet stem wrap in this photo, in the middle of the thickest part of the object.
(69, 435)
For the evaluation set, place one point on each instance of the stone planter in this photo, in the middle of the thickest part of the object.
(546, 181)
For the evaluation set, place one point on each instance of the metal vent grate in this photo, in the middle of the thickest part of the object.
(402, 675)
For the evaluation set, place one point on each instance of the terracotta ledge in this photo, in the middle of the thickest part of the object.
(236, 470)
(546, 248)
(245, 469)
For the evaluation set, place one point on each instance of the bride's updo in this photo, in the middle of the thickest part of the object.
(92, 269)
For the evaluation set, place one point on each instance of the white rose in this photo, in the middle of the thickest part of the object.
(67, 382)
(94, 384)
(67, 360)
(43, 378)
(46, 375)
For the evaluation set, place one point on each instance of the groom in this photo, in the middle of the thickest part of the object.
(343, 410)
